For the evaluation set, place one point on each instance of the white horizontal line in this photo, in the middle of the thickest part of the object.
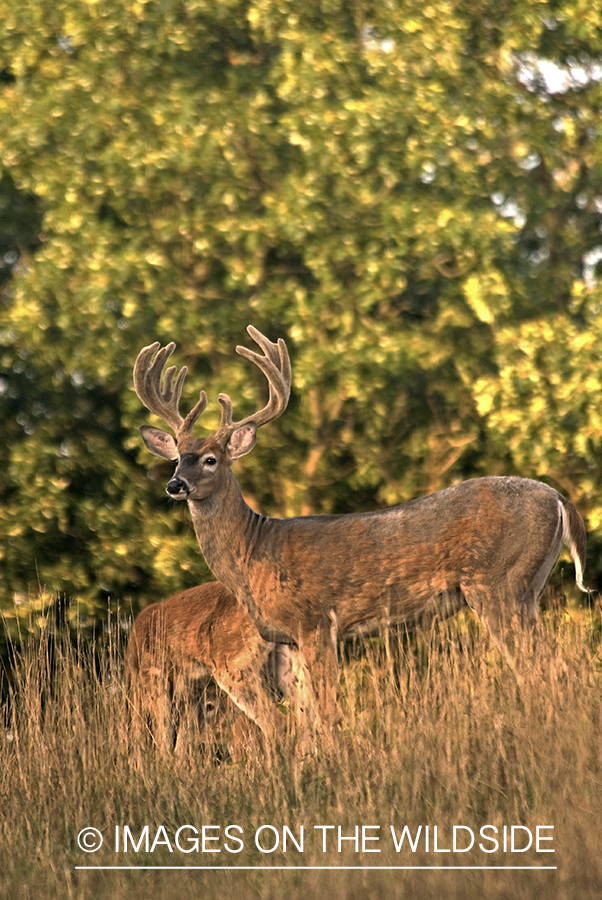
(321, 868)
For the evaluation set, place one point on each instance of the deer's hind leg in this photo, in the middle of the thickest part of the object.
(153, 708)
(197, 712)
(511, 618)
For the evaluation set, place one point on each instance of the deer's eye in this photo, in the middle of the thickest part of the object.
(210, 462)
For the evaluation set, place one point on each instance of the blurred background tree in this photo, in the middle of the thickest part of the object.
(409, 193)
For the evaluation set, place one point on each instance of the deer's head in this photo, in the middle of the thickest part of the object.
(201, 462)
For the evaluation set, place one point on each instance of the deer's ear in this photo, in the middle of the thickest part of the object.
(159, 442)
(242, 441)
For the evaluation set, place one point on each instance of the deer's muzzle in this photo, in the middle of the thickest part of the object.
(178, 489)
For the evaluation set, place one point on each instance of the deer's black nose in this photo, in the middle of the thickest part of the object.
(177, 488)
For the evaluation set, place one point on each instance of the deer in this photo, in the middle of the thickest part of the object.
(186, 655)
(487, 543)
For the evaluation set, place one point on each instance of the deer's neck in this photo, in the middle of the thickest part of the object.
(227, 531)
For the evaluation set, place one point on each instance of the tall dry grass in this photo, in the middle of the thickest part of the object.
(436, 731)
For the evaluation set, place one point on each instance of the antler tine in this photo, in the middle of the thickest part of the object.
(277, 355)
(269, 348)
(276, 367)
(164, 403)
(194, 413)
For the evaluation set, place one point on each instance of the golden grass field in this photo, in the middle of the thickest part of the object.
(436, 731)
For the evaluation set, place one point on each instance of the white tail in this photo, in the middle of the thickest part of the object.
(487, 543)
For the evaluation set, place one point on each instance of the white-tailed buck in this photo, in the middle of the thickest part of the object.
(184, 652)
(489, 543)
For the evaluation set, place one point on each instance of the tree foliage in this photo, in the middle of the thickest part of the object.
(409, 193)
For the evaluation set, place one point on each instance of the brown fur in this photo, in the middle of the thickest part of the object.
(187, 654)
(489, 543)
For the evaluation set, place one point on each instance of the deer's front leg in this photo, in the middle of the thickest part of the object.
(319, 650)
(246, 691)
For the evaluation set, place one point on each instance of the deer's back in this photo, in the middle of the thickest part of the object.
(404, 558)
(203, 627)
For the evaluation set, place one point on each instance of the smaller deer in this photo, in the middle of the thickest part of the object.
(190, 654)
